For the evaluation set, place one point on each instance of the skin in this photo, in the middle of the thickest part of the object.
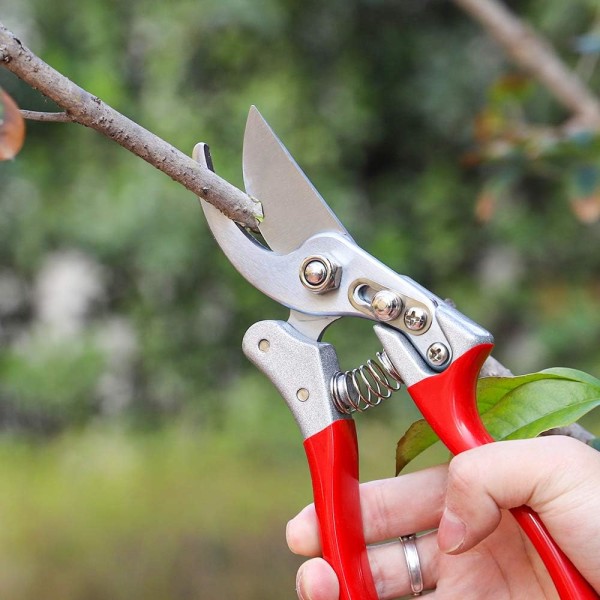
(478, 550)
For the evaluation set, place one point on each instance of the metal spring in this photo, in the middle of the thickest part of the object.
(366, 386)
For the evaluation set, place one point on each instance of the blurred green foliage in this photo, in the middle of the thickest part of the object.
(108, 513)
(377, 100)
(117, 307)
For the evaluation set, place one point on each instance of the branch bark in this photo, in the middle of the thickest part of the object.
(84, 108)
(532, 53)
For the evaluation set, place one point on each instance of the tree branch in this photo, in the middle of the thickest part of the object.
(84, 108)
(531, 52)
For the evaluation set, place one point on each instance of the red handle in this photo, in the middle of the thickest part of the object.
(448, 403)
(333, 460)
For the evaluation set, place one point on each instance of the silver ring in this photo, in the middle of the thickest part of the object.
(409, 545)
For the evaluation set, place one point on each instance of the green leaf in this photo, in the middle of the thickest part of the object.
(418, 437)
(517, 407)
(510, 88)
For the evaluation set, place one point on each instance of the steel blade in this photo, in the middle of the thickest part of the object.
(293, 209)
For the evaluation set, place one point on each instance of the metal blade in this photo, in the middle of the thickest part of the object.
(294, 210)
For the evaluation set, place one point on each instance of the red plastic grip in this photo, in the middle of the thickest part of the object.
(448, 402)
(333, 460)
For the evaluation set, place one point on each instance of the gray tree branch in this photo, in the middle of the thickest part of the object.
(84, 108)
(532, 53)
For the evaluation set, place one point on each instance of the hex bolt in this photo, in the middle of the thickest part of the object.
(319, 275)
(386, 305)
(415, 318)
(438, 354)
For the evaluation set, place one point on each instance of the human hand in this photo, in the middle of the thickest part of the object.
(478, 550)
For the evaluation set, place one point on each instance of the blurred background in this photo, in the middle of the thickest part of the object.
(140, 454)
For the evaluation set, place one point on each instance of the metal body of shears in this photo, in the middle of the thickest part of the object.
(313, 267)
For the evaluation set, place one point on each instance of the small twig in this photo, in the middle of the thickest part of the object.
(89, 110)
(47, 117)
(574, 430)
(494, 368)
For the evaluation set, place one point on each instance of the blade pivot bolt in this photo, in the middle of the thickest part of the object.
(415, 318)
(438, 354)
(386, 305)
(319, 275)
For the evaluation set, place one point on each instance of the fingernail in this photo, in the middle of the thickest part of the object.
(451, 533)
(299, 585)
(289, 536)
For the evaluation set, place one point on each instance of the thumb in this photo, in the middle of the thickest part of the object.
(556, 476)
(316, 580)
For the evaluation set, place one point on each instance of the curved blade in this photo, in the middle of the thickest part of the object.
(293, 209)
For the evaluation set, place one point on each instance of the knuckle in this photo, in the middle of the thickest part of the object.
(462, 476)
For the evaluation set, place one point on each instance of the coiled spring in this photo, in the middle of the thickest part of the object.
(365, 386)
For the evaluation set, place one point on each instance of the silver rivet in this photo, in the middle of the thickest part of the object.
(302, 394)
(264, 345)
(415, 318)
(386, 305)
(437, 354)
(319, 274)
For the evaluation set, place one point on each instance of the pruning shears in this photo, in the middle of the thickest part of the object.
(313, 266)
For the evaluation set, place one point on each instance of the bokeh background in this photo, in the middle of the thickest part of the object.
(141, 456)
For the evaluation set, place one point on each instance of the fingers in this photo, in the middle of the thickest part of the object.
(390, 508)
(317, 581)
(556, 476)
(302, 533)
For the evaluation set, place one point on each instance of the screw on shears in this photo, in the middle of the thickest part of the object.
(438, 354)
(386, 305)
(415, 318)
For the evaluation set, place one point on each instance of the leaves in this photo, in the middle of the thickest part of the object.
(12, 127)
(418, 437)
(585, 186)
(517, 407)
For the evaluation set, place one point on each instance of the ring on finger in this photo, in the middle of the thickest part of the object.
(413, 563)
